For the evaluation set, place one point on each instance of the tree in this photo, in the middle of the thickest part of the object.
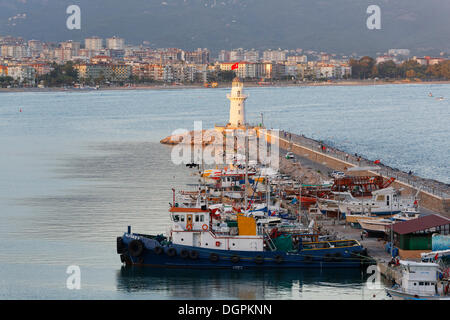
(6, 81)
(362, 68)
(388, 69)
(410, 74)
(226, 76)
(61, 75)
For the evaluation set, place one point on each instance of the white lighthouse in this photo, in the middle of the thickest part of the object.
(237, 103)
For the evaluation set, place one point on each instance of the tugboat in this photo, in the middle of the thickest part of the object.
(200, 238)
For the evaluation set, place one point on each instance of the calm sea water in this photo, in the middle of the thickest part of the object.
(77, 167)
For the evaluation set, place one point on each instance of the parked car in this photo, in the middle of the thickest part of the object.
(337, 174)
(290, 155)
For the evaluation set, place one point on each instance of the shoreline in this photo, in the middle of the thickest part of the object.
(280, 84)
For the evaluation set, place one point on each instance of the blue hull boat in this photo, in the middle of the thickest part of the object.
(157, 251)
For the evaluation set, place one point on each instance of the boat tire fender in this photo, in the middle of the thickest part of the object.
(135, 248)
(158, 250)
(193, 255)
(259, 259)
(235, 259)
(184, 253)
(171, 252)
(120, 246)
(214, 257)
(279, 259)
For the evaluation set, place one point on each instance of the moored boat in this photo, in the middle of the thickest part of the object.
(200, 239)
(420, 281)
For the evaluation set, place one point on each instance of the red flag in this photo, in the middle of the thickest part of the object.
(377, 161)
(436, 256)
(235, 66)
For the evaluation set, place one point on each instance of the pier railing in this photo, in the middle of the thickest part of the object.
(433, 187)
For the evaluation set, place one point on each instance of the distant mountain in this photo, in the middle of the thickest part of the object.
(329, 25)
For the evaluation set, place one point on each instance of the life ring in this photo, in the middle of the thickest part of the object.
(189, 227)
(193, 255)
(171, 252)
(135, 248)
(205, 227)
(184, 253)
(158, 250)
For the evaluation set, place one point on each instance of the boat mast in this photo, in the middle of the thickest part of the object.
(246, 170)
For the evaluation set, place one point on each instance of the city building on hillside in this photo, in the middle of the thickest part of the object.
(16, 51)
(224, 56)
(200, 56)
(297, 59)
(386, 58)
(115, 43)
(428, 61)
(36, 47)
(101, 59)
(245, 69)
(237, 55)
(3, 71)
(251, 55)
(399, 52)
(93, 43)
(25, 75)
(107, 72)
(275, 55)
(41, 68)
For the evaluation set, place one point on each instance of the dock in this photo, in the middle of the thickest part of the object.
(434, 195)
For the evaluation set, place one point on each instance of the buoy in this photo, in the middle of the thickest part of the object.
(20, 110)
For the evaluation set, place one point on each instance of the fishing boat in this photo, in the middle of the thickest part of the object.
(378, 226)
(199, 238)
(420, 281)
(384, 202)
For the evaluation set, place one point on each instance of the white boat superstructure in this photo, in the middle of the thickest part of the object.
(387, 201)
(420, 281)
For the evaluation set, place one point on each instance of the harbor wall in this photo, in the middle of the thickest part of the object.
(427, 199)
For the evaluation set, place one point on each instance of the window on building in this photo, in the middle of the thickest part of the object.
(176, 218)
(182, 218)
(202, 218)
(197, 218)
